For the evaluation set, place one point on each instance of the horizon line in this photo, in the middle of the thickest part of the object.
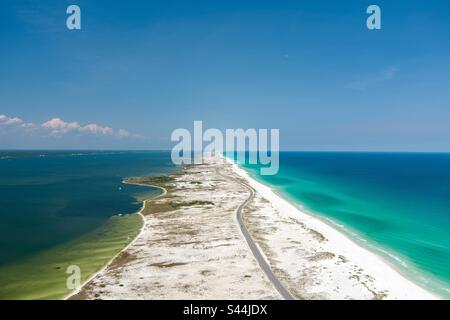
(168, 150)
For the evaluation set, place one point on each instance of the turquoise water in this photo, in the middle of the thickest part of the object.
(396, 204)
(51, 201)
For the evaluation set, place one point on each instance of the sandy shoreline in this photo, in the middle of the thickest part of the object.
(190, 247)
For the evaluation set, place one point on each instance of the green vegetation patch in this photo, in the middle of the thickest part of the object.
(177, 205)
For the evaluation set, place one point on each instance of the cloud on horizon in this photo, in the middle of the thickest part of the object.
(57, 127)
(6, 121)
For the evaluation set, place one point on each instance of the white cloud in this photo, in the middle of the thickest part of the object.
(60, 127)
(122, 133)
(57, 127)
(96, 129)
(28, 125)
(6, 121)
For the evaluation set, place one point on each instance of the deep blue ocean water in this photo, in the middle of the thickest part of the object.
(396, 204)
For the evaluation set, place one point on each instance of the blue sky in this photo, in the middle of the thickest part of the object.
(140, 69)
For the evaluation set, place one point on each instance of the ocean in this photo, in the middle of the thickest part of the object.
(394, 204)
(63, 208)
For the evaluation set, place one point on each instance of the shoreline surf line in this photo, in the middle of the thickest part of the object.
(395, 260)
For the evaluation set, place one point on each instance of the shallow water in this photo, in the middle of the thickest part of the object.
(62, 208)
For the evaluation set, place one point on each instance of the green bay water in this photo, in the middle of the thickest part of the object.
(62, 208)
(395, 204)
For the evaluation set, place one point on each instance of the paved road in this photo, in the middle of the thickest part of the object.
(255, 250)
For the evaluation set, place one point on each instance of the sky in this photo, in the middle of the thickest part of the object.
(137, 70)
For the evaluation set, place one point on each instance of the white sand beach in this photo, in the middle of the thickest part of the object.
(191, 247)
